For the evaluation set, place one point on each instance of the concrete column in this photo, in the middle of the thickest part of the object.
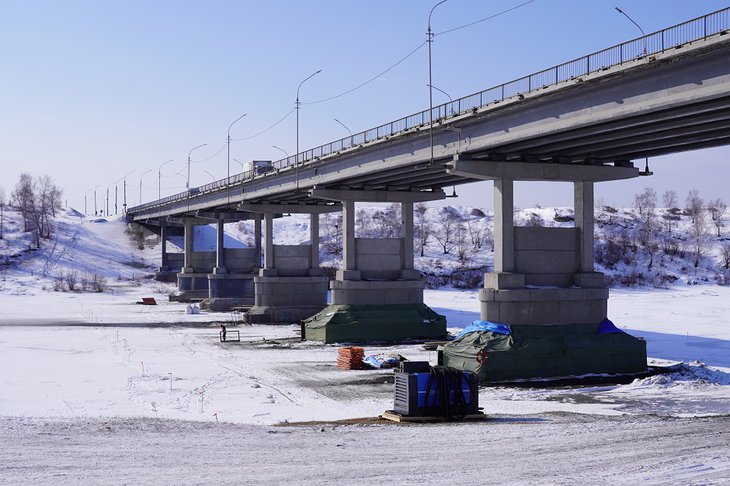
(314, 238)
(188, 250)
(504, 248)
(348, 235)
(163, 243)
(269, 240)
(220, 253)
(407, 216)
(583, 198)
(257, 236)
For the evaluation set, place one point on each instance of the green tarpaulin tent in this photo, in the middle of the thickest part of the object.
(368, 323)
(545, 352)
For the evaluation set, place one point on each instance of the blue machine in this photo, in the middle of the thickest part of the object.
(441, 392)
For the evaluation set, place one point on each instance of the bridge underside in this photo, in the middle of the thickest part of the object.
(584, 130)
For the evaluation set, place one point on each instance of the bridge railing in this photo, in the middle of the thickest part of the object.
(669, 38)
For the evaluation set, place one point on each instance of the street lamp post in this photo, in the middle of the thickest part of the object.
(243, 169)
(86, 211)
(447, 95)
(211, 175)
(429, 36)
(283, 151)
(140, 185)
(95, 210)
(296, 106)
(228, 178)
(159, 178)
(441, 91)
(345, 126)
(352, 141)
(637, 25)
(187, 181)
(124, 192)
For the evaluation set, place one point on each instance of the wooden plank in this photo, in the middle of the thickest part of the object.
(396, 417)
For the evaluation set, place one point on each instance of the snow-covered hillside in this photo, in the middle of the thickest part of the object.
(454, 245)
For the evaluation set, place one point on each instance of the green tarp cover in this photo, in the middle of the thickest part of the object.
(545, 352)
(368, 323)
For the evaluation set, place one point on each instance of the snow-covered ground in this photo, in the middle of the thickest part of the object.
(122, 361)
(97, 389)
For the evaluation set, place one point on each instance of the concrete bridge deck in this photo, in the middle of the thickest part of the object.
(604, 109)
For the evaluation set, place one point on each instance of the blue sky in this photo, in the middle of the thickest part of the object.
(92, 90)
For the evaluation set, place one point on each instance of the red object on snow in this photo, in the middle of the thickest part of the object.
(350, 358)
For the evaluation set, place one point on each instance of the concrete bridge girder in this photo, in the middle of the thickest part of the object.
(525, 171)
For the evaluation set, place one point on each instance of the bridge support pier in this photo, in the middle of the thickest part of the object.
(378, 295)
(527, 260)
(290, 286)
(545, 276)
(230, 284)
(168, 268)
(192, 280)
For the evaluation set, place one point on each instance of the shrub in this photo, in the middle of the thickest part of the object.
(93, 283)
(58, 283)
(631, 279)
(609, 253)
(71, 277)
(468, 278)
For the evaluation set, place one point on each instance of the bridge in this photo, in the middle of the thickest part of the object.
(584, 121)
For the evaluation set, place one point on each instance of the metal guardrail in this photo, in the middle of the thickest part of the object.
(693, 30)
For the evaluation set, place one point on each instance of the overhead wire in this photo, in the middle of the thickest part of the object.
(485, 18)
(361, 85)
(208, 158)
(265, 130)
(369, 80)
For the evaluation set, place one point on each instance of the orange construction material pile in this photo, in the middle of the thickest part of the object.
(350, 358)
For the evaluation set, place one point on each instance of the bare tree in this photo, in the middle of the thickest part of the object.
(479, 233)
(645, 204)
(364, 224)
(717, 210)
(446, 224)
(37, 201)
(47, 201)
(694, 204)
(423, 225)
(461, 243)
(388, 222)
(23, 197)
(332, 229)
(670, 200)
(699, 236)
(725, 255)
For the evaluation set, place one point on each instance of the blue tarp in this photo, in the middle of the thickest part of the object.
(608, 327)
(383, 360)
(486, 326)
